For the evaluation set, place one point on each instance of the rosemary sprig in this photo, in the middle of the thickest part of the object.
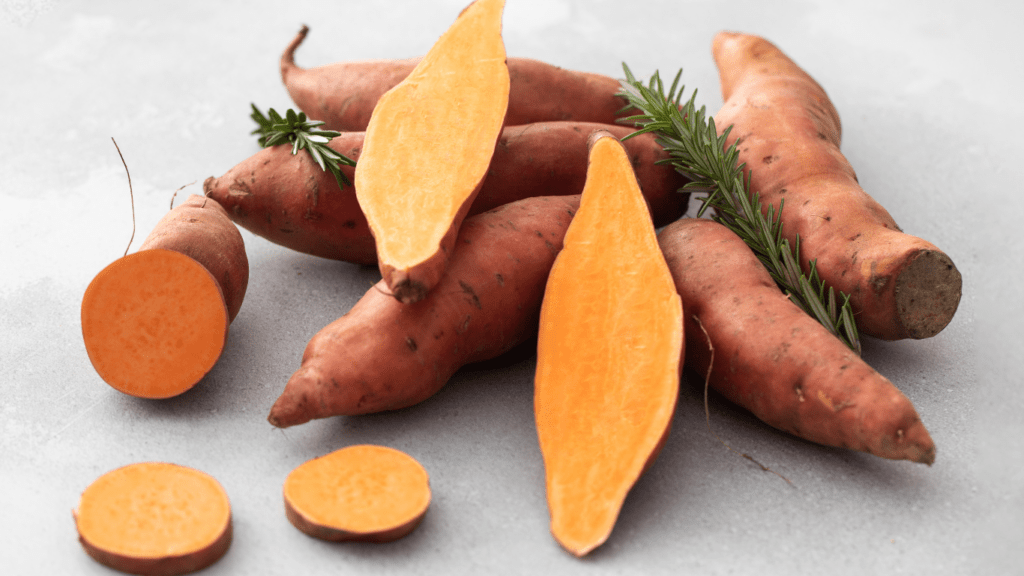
(301, 133)
(697, 151)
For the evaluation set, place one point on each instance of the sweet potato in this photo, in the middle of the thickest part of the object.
(385, 355)
(343, 94)
(156, 321)
(788, 133)
(289, 200)
(360, 493)
(775, 360)
(427, 148)
(608, 354)
(154, 518)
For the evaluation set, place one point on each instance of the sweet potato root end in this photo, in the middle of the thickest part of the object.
(927, 294)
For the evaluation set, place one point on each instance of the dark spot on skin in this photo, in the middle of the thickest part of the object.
(350, 224)
(362, 400)
(821, 136)
(539, 234)
(472, 297)
(500, 278)
(239, 188)
(852, 238)
(768, 159)
(410, 343)
(828, 218)
(878, 283)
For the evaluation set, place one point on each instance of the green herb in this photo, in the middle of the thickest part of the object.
(301, 133)
(697, 151)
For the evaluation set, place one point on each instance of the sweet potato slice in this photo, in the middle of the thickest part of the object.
(776, 361)
(156, 321)
(155, 518)
(788, 134)
(427, 149)
(608, 354)
(363, 493)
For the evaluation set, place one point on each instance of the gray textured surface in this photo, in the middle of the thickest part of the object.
(929, 96)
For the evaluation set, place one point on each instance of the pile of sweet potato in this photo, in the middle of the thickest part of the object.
(488, 276)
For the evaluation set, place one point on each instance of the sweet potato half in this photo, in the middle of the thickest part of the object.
(156, 321)
(773, 359)
(385, 355)
(788, 133)
(427, 148)
(290, 201)
(608, 354)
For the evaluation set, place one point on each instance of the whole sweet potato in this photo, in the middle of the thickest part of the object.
(773, 359)
(788, 133)
(344, 94)
(385, 355)
(289, 200)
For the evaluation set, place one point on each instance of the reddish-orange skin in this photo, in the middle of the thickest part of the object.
(166, 566)
(385, 355)
(289, 200)
(330, 534)
(788, 134)
(344, 94)
(775, 360)
(201, 229)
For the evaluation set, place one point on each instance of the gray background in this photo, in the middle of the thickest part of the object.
(929, 94)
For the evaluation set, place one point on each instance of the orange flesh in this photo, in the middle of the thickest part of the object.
(154, 323)
(153, 510)
(431, 137)
(359, 491)
(608, 354)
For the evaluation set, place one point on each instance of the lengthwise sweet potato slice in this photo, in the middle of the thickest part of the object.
(608, 354)
(155, 518)
(364, 493)
(427, 149)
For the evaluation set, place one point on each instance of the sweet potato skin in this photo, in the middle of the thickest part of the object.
(776, 361)
(384, 355)
(289, 200)
(343, 94)
(201, 229)
(788, 134)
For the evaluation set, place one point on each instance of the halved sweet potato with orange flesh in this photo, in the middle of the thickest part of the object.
(608, 354)
(427, 149)
(156, 321)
